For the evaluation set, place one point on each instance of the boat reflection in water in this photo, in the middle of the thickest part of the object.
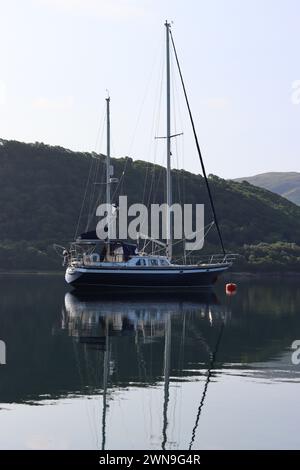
(162, 321)
(149, 373)
(87, 316)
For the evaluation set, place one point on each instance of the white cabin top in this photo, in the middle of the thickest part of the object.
(138, 261)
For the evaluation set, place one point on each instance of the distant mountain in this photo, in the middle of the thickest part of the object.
(42, 194)
(287, 184)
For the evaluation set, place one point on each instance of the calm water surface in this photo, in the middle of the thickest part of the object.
(148, 372)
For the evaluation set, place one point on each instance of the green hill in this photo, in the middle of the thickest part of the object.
(287, 184)
(42, 189)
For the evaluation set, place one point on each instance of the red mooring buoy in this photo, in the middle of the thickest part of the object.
(231, 288)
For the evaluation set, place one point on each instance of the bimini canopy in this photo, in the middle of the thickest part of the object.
(91, 235)
(129, 249)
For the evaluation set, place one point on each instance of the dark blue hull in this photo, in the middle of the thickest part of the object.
(185, 278)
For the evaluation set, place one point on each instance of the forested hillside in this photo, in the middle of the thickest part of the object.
(43, 187)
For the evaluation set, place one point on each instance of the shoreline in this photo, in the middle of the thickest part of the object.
(35, 273)
(262, 274)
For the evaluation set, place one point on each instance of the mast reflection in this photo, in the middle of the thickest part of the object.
(95, 321)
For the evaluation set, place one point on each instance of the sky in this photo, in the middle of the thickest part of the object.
(240, 61)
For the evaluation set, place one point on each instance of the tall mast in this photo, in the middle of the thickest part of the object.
(169, 181)
(108, 162)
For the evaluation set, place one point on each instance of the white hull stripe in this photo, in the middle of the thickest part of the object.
(145, 272)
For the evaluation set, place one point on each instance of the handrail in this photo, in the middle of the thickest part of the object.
(217, 258)
(76, 257)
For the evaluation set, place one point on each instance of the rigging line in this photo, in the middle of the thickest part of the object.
(99, 162)
(209, 375)
(90, 175)
(92, 202)
(175, 105)
(135, 131)
(157, 169)
(179, 113)
(198, 336)
(203, 238)
(154, 128)
(88, 178)
(90, 208)
(154, 65)
(119, 186)
(198, 146)
(121, 180)
(90, 197)
(102, 185)
(208, 227)
(100, 128)
(179, 146)
(158, 93)
(120, 183)
(117, 189)
(158, 186)
(84, 197)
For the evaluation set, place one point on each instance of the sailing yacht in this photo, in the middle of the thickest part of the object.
(115, 264)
